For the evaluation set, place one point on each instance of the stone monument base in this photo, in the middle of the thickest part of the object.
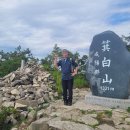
(107, 102)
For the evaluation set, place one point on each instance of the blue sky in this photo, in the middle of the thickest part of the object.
(39, 24)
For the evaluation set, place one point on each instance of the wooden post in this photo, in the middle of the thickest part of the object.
(22, 65)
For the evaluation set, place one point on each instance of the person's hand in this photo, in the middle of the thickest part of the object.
(73, 74)
(55, 57)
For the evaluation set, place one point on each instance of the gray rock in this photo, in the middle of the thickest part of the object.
(14, 129)
(12, 98)
(23, 114)
(22, 94)
(2, 84)
(20, 106)
(7, 95)
(127, 120)
(8, 104)
(66, 125)
(105, 127)
(17, 97)
(13, 120)
(0, 102)
(12, 77)
(27, 70)
(40, 113)
(15, 92)
(108, 66)
(5, 99)
(88, 120)
(39, 92)
(40, 124)
(46, 97)
(16, 82)
(41, 100)
(72, 114)
(123, 127)
(31, 116)
(28, 103)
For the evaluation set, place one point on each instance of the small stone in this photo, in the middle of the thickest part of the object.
(12, 98)
(51, 96)
(15, 92)
(17, 97)
(56, 94)
(127, 120)
(14, 121)
(20, 106)
(27, 70)
(8, 104)
(39, 92)
(46, 97)
(7, 95)
(39, 78)
(14, 129)
(31, 116)
(40, 113)
(45, 79)
(2, 84)
(5, 99)
(41, 100)
(22, 94)
(12, 77)
(36, 85)
(23, 114)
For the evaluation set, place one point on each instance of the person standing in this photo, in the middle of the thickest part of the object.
(69, 69)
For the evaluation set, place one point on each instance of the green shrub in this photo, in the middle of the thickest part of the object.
(57, 77)
(128, 109)
(4, 113)
(46, 67)
(80, 81)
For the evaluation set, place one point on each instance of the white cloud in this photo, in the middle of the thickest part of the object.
(72, 24)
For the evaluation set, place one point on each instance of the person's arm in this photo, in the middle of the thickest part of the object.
(56, 64)
(76, 68)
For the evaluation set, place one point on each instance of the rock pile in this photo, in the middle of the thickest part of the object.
(31, 86)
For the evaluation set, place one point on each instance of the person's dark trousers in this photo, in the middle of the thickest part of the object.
(67, 91)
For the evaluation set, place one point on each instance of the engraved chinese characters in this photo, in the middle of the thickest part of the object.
(108, 68)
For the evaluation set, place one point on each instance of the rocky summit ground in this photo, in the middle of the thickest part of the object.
(79, 116)
(32, 92)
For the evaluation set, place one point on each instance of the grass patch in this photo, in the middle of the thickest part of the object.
(83, 112)
(128, 109)
(108, 113)
(91, 112)
(105, 117)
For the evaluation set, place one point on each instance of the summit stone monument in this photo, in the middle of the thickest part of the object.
(108, 68)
